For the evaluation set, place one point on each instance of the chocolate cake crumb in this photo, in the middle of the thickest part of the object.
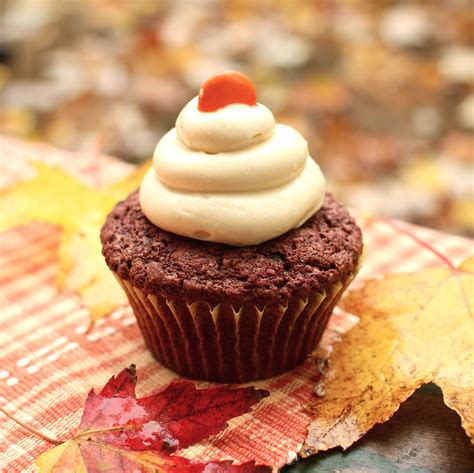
(313, 257)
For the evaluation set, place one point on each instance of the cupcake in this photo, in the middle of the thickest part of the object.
(232, 254)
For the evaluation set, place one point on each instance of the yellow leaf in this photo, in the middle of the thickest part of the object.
(125, 186)
(467, 265)
(65, 457)
(53, 196)
(414, 328)
(82, 268)
(90, 276)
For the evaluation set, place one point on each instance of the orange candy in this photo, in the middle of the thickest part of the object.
(225, 89)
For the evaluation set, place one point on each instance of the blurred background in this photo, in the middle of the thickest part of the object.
(382, 90)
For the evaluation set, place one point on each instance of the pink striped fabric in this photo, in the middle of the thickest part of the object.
(48, 362)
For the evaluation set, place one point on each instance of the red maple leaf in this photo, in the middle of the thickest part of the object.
(120, 432)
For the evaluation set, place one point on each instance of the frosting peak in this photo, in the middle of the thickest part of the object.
(231, 176)
(231, 128)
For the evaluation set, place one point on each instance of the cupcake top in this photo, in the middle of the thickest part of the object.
(228, 173)
(313, 257)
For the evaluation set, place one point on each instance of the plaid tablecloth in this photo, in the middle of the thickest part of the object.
(48, 363)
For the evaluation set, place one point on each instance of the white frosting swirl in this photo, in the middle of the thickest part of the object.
(271, 163)
(231, 176)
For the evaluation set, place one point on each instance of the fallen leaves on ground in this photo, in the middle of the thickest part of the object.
(414, 328)
(120, 432)
(53, 196)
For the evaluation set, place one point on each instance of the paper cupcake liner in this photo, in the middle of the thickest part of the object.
(228, 345)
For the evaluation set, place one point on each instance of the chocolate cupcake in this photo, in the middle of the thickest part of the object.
(232, 254)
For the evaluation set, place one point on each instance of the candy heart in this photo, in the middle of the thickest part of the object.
(225, 89)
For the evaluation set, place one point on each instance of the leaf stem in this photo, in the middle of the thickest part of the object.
(418, 240)
(29, 429)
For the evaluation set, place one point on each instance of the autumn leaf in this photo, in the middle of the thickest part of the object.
(414, 328)
(120, 432)
(55, 197)
(52, 196)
